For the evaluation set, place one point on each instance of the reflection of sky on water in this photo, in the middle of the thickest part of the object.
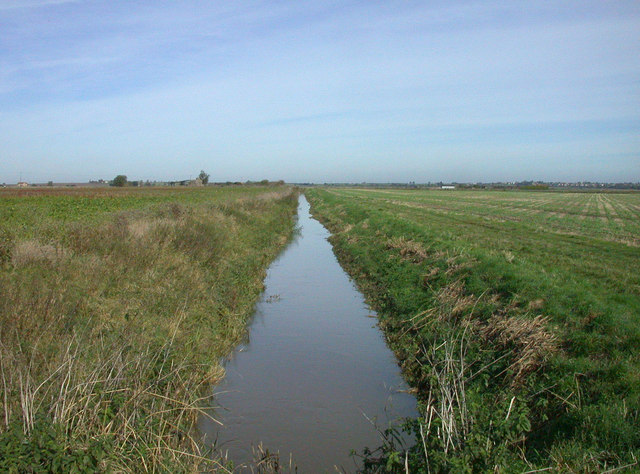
(314, 366)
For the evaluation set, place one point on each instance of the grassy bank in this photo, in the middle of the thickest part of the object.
(514, 316)
(116, 306)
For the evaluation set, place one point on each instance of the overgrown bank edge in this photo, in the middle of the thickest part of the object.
(113, 321)
(513, 371)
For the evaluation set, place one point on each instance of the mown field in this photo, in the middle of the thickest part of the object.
(116, 306)
(516, 319)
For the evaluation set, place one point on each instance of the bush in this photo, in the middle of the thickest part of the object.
(119, 181)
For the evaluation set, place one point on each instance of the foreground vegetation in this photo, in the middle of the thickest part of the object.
(515, 316)
(116, 306)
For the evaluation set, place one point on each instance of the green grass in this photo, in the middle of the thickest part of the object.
(116, 306)
(514, 316)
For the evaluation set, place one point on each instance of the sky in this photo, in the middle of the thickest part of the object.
(320, 91)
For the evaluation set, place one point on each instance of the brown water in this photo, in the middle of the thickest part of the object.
(316, 372)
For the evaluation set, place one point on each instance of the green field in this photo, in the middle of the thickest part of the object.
(116, 306)
(515, 316)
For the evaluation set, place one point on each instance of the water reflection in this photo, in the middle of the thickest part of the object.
(316, 371)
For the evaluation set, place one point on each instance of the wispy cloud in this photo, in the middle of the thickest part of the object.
(269, 83)
(18, 4)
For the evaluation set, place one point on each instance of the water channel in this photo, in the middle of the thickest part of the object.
(315, 371)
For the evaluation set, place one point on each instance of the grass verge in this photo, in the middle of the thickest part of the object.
(115, 309)
(514, 320)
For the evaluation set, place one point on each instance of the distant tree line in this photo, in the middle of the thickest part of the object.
(121, 181)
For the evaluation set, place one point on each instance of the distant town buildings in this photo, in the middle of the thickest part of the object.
(186, 182)
(522, 185)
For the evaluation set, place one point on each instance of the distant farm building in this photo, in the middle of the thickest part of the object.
(448, 187)
(22, 184)
(186, 182)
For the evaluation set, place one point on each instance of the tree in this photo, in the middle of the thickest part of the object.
(204, 177)
(119, 181)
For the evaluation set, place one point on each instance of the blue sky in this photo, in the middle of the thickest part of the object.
(320, 91)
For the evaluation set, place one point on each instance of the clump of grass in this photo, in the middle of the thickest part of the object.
(529, 341)
(410, 250)
(29, 251)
